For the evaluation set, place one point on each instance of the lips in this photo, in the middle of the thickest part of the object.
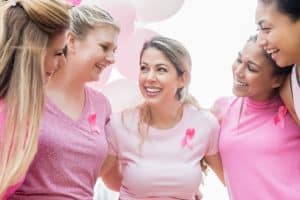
(272, 52)
(152, 91)
(100, 67)
(240, 83)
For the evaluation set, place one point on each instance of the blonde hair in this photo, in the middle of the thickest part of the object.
(178, 55)
(26, 29)
(181, 60)
(88, 17)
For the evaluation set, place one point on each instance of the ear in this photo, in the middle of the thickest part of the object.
(71, 42)
(184, 79)
(278, 81)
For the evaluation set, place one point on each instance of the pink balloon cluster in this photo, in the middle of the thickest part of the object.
(131, 39)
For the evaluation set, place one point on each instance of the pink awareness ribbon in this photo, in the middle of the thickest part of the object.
(188, 138)
(279, 117)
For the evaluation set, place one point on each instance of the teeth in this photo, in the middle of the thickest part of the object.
(99, 66)
(240, 83)
(270, 51)
(152, 89)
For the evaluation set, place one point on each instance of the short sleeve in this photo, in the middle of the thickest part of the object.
(220, 107)
(213, 135)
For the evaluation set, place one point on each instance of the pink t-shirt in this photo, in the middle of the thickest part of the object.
(164, 168)
(70, 153)
(295, 82)
(260, 151)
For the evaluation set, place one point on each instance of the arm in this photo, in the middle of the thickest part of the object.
(220, 106)
(287, 98)
(215, 163)
(111, 174)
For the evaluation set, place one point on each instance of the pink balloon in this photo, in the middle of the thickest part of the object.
(104, 77)
(123, 12)
(156, 10)
(128, 53)
(122, 94)
(75, 2)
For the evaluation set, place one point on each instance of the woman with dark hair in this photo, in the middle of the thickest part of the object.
(279, 34)
(259, 140)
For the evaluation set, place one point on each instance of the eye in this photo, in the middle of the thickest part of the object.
(104, 47)
(162, 69)
(144, 69)
(238, 60)
(62, 52)
(251, 68)
(264, 28)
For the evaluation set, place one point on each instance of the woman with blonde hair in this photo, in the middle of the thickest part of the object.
(72, 145)
(162, 143)
(32, 44)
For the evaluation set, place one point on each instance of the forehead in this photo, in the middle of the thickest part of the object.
(58, 41)
(264, 11)
(153, 54)
(105, 33)
(253, 52)
(270, 13)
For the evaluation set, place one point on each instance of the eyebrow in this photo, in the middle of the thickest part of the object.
(156, 65)
(250, 61)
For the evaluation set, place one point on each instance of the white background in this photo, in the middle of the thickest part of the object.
(213, 32)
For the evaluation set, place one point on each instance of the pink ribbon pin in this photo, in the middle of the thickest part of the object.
(92, 122)
(188, 138)
(282, 110)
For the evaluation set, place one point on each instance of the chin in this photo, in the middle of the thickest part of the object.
(238, 94)
(283, 63)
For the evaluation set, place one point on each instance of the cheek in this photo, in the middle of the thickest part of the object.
(47, 63)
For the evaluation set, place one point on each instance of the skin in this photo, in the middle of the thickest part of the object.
(55, 55)
(86, 60)
(280, 34)
(158, 83)
(253, 74)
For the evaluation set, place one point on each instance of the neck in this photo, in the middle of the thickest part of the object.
(166, 116)
(65, 85)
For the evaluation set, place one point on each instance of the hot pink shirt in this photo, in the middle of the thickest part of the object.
(70, 153)
(261, 158)
(164, 168)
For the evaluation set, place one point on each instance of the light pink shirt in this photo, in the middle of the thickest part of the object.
(261, 158)
(70, 153)
(295, 82)
(164, 168)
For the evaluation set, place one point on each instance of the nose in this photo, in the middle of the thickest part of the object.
(110, 57)
(151, 75)
(262, 42)
(238, 70)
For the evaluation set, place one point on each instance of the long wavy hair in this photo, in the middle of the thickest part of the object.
(26, 29)
(178, 55)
